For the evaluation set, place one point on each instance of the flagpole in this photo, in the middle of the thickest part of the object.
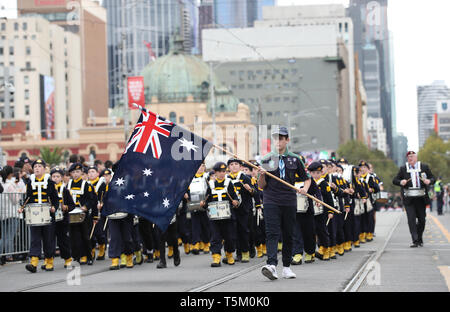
(278, 179)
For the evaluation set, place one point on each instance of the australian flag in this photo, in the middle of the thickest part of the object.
(155, 170)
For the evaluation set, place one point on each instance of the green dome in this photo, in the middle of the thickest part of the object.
(174, 77)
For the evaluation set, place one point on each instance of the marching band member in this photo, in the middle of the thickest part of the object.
(218, 190)
(245, 193)
(360, 195)
(259, 225)
(201, 232)
(320, 219)
(98, 236)
(169, 236)
(344, 207)
(62, 227)
(101, 188)
(371, 189)
(84, 198)
(280, 201)
(184, 225)
(41, 189)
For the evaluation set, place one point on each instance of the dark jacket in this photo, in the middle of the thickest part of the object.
(403, 174)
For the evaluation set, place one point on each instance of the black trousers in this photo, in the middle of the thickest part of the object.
(169, 236)
(135, 237)
(440, 202)
(340, 235)
(356, 227)
(201, 231)
(280, 221)
(42, 236)
(222, 230)
(308, 231)
(332, 230)
(99, 236)
(251, 229)
(416, 213)
(320, 222)
(260, 230)
(79, 239)
(62, 238)
(184, 228)
(121, 241)
(242, 231)
(298, 243)
(146, 234)
(348, 226)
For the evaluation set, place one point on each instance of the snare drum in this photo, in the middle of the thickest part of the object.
(77, 215)
(369, 205)
(38, 214)
(318, 208)
(302, 203)
(118, 215)
(194, 206)
(358, 207)
(219, 210)
(381, 197)
(415, 192)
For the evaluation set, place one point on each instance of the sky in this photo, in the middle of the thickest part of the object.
(421, 52)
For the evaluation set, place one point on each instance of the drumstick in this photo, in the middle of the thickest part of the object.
(106, 222)
(345, 218)
(278, 179)
(23, 206)
(92, 232)
(328, 221)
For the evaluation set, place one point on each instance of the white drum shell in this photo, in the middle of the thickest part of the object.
(219, 210)
(318, 209)
(38, 214)
(77, 216)
(415, 192)
(302, 203)
(117, 215)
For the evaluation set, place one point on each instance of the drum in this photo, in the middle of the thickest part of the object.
(77, 215)
(219, 210)
(194, 206)
(197, 190)
(118, 215)
(302, 203)
(38, 214)
(369, 205)
(415, 192)
(59, 216)
(318, 208)
(381, 197)
(359, 206)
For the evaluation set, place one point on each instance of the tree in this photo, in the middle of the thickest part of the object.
(384, 167)
(51, 157)
(436, 154)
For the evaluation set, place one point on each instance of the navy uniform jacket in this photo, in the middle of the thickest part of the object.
(66, 198)
(88, 198)
(219, 185)
(403, 174)
(325, 190)
(48, 194)
(246, 196)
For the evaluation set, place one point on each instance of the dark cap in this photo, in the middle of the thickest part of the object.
(363, 163)
(57, 170)
(75, 166)
(315, 166)
(232, 160)
(343, 161)
(324, 162)
(220, 166)
(38, 162)
(339, 166)
(280, 131)
(93, 168)
(410, 153)
(105, 171)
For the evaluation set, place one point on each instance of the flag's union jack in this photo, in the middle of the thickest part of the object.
(147, 133)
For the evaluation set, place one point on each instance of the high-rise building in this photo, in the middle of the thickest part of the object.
(42, 62)
(87, 19)
(401, 144)
(429, 100)
(237, 14)
(148, 24)
(373, 44)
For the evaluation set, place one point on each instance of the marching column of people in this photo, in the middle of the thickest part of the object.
(236, 207)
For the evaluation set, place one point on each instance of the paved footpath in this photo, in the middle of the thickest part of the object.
(396, 267)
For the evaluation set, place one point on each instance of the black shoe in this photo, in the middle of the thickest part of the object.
(43, 267)
(90, 262)
(31, 268)
(224, 260)
(252, 252)
(238, 258)
(161, 265)
(149, 259)
(414, 245)
(195, 251)
(176, 259)
(100, 258)
(216, 265)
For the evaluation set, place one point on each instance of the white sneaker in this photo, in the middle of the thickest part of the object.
(270, 271)
(287, 273)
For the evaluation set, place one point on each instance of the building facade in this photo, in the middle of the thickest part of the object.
(42, 62)
(428, 99)
(87, 19)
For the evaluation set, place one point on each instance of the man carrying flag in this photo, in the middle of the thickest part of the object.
(155, 170)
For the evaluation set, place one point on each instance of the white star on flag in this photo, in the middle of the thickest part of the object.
(166, 203)
(131, 196)
(120, 181)
(146, 194)
(147, 172)
(188, 144)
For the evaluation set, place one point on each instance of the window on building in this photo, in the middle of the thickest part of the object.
(233, 73)
(173, 117)
(294, 71)
(27, 110)
(269, 114)
(28, 126)
(24, 26)
(11, 64)
(16, 26)
(181, 120)
(1, 50)
(346, 27)
(250, 86)
(33, 37)
(27, 94)
(277, 114)
(11, 50)
(28, 50)
(3, 26)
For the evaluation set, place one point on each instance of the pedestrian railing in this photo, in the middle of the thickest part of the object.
(14, 233)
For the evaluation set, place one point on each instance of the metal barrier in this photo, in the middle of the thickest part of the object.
(14, 233)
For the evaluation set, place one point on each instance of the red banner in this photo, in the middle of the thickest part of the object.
(136, 93)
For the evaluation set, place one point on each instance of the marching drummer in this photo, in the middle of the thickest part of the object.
(371, 188)
(221, 190)
(41, 190)
(83, 196)
(62, 226)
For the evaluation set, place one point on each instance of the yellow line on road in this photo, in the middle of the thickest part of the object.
(441, 227)
(445, 271)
